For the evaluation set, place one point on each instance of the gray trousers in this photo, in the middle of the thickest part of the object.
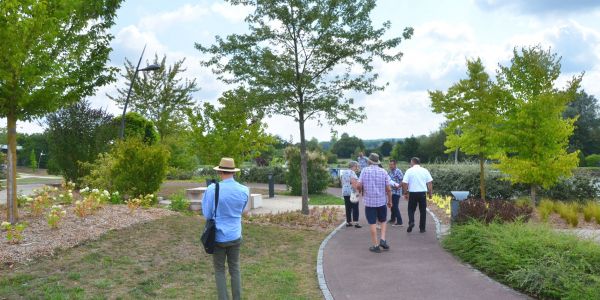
(229, 251)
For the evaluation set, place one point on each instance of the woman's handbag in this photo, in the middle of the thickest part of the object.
(354, 197)
(210, 229)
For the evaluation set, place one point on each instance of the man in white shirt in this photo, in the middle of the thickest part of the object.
(416, 182)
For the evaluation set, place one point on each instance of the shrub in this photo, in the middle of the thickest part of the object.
(55, 216)
(179, 174)
(332, 158)
(568, 212)
(14, 233)
(545, 208)
(261, 174)
(318, 176)
(115, 198)
(447, 178)
(494, 210)
(532, 258)
(132, 167)
(581, 187)
(592, 160)
(590, 211)
(179, 203)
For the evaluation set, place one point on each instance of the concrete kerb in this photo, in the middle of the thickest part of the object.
(320, 273)
(438, 224)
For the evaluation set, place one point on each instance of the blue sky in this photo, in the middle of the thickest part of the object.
(447, 32)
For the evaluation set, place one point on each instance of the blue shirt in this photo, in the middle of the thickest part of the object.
(362, 162)
(396, 176)
(232, 201)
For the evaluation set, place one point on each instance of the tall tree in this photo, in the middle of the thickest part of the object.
(77, 134)
(534, 133)
(472, 105)
(162, 96)
(303, 56)
(345, 146)
(53, 53)
(586, 136)
(234, 130)
(386, 148)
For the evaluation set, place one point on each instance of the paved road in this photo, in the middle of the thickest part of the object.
(24, 189)
(416, 267)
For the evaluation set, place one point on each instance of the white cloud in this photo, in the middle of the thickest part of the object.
(233, 13)
(131, 38)
(163, 21)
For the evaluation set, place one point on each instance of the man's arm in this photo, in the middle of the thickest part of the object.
(405, 189)
(430, 189)
(388, 192)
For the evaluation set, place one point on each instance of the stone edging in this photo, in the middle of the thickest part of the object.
(438, 224)
(320, 274)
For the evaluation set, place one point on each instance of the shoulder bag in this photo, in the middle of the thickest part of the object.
(210, 228)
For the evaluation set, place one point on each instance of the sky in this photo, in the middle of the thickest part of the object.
(447, 33)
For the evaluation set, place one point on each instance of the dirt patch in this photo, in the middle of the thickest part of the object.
(439, 213)
(40, 240)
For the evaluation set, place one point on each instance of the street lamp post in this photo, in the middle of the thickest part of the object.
(152, 67)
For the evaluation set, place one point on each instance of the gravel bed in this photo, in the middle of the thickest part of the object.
(40, 240)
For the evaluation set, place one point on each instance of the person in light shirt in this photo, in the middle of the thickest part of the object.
(416, 182)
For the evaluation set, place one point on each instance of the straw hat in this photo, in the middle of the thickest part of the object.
(374, 158)
(226, 165)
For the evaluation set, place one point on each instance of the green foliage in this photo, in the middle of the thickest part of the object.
(545, 208)
(181, 147)
(179, 203)
(472, 107)
(586, 135)
(535, 135)
(447, 178)
(302, 81)
(33, 161)
(386, 148)
(581, 187)
(160, 96)
(76, 135)
(332, 158)
(318, 176)
(531, 258)
(139, 168)
(137, 127)
(131, 167)
(33, 141)
(261, 174)
(592, 160)
(234, 130)
(57, 55)
(345, 146)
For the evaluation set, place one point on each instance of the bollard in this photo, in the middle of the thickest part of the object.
(271, 186)
(455, 204)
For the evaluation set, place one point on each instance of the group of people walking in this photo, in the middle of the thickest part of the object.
(381, 190)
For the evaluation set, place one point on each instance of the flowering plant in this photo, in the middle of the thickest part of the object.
(55, 216)
(133, 204)
(442, 202)
(14, 233)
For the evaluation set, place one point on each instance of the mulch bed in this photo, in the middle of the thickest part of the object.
(40, 240)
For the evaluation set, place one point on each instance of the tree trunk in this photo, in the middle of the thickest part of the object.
(303, 167)
(11, 173)
(534, 188)
(482, 176)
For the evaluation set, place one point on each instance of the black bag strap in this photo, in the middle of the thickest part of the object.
(216, 200)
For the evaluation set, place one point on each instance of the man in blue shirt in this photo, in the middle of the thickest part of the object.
(233, 198)
(396, 176)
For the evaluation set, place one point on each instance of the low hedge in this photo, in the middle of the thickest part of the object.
(581, 187)
(532, 258)
(253, 174)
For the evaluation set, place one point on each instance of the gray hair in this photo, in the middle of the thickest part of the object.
(352, 164)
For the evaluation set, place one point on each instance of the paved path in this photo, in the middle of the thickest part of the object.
(24, 189)
(416, 267)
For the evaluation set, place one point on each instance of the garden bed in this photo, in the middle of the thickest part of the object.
(40, 240)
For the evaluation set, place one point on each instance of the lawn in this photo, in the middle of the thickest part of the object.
(325, 199)
(162, 259)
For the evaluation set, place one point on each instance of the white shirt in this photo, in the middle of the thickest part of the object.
(417, 179)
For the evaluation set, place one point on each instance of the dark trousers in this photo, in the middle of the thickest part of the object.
(415, 199)
(396, 217)
(230, 252)
(351, 210)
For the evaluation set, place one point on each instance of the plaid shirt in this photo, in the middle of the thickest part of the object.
(374, 181)
(396, 177)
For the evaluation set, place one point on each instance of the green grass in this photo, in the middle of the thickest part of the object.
(532, 258)
(325, 199)
(163, 259)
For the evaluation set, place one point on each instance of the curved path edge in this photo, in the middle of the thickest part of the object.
(320, 273)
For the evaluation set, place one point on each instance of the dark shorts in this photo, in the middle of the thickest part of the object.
(375, 214)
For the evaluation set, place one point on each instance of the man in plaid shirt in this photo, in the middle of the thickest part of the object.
(375, 186)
